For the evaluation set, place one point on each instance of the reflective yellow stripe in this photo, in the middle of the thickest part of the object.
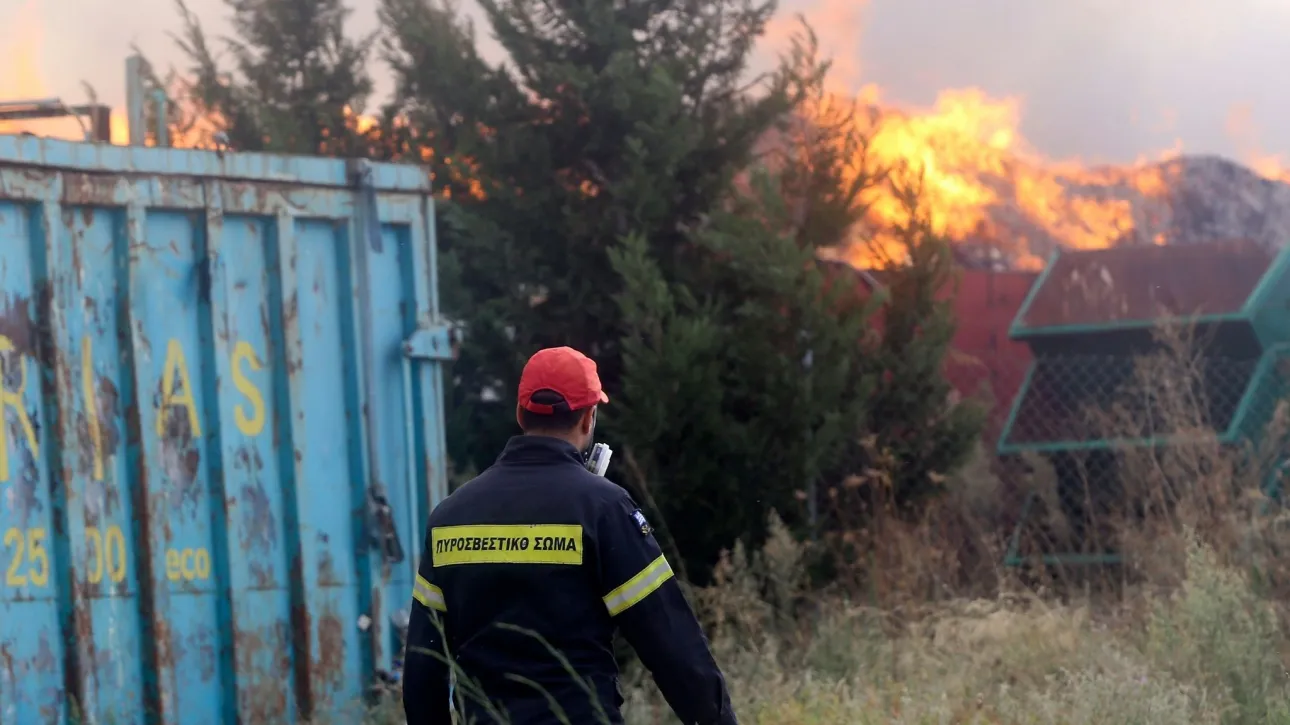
(639, 586)
(428, 594)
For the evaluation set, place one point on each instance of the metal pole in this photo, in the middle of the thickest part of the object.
(134, 100)
(163, 128)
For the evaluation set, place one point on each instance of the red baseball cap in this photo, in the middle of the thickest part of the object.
(564, 371)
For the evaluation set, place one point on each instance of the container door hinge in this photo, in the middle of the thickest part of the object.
(431, 343)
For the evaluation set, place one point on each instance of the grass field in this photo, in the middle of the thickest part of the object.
(1209, 652)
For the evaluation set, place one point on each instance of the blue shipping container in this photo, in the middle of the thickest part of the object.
(223, 427)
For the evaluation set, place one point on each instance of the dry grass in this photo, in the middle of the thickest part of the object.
(1191, 629)
(925, 626)
(1209, 653)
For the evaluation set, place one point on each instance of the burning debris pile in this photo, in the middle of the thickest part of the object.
(1007, 207)
(1184, 200)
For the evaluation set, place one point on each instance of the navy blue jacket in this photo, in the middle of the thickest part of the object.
(526, 573)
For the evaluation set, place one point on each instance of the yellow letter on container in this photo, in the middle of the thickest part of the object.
(177, 363)
(13, 399)
(253, 424)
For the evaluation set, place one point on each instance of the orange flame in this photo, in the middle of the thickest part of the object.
(974, 163)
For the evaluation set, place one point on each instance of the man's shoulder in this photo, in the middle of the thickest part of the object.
(567, 482)
(597, 488)
(463, 495)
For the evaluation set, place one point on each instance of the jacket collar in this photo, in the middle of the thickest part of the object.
(539, 449)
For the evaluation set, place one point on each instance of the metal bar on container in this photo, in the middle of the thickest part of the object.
(150, 511)
(432, 395)
(291, 419)
(213, 317)
(410, 447)
(369, 233)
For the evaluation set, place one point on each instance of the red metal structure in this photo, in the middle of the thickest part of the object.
(984, 363)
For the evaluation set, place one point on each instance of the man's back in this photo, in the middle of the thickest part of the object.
(538, 559)
(512, 547)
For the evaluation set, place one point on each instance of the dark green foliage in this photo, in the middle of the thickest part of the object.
(743, 380)
(916, 432)
(590, 180)
(298, 82)
(735, 396)
(609, 119)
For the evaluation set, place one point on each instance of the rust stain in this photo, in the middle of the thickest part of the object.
(266, 326)
(290, 322)
(300, 641)
(16, 323)
(262, 577)
(84, 656)
(89, 190)
(180, 456)
(158, 655)
(202, 643)
(330, 665)
(69, 221)
(109, 398)
(327, 570)
(263, 698)
(375, 632)
(82, 621)
(262, 659)
(19, 325)
(106, 400)
(44, 660)
(23, 495)
(259, 527)
(6, 660)
(178, 648)
(178, 192)
(168, 652)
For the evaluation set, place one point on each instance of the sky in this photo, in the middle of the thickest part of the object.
(1102, 80)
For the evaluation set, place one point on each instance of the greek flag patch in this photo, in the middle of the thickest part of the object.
(641, 523)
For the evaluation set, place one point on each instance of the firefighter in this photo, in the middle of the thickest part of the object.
(529, 568)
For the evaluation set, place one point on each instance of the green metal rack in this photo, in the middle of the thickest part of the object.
(1092, 315)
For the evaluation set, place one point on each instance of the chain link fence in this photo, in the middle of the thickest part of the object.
(1099, 444)
(1084, 459)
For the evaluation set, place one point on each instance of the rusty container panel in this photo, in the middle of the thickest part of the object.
(1088, 290)
(222, 429)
